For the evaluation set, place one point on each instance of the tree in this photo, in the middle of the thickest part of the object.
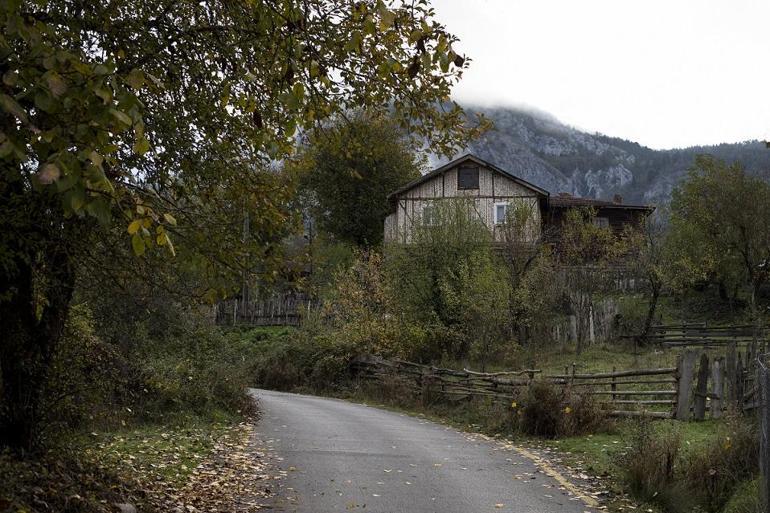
(158, 118)
(649, 244)
(586, 251)
(349, 168)
(450, 279)
(524, 244)
(719, 226)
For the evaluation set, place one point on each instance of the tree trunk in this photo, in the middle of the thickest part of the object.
(36, 285)
(653, 306)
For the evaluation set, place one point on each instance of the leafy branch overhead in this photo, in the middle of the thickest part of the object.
(138, 110)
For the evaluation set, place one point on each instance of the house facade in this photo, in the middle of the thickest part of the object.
(493, 194)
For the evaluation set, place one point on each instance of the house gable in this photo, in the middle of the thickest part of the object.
(488, 189)
(443, 182)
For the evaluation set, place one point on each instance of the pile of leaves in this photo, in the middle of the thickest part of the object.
(187, 469)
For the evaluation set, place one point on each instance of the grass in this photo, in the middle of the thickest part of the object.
(597, 358)
(598, 452)
(166, 452)
(90, 472)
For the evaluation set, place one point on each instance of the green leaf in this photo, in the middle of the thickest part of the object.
(225, 97)
(137, 243)
(11, 106)
(169, 219)
(135, 78)
(56, 83)
(100, 209)
(170, 246)
(95, 158)
(121, 116)
(104, 94)
(142, 146)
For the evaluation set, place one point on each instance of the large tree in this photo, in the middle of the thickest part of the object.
(349, 168)
(720, 229)
(157, 118)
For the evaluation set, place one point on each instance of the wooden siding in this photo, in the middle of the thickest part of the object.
(493, 188)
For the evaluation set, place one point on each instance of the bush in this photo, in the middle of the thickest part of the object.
(541, 410)
(550, 411)
(649, 464)
(746, 499)
(716, 470)
(310, 357)
(88, 378)
(582, 414)
(202, 372)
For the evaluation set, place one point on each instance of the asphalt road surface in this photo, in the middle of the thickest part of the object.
(347, 457)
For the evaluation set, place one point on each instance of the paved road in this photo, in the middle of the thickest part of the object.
(348, 457)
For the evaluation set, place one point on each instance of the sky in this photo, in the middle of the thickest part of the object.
(665, 74)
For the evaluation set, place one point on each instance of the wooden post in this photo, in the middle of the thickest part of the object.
(717, 387)
(684, 375)
(763, 388)
(730, 363)
(739, 386)
(614, 386)
(701, 388)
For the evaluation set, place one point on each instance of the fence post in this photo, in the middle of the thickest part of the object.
(701, 389)
(684, 375)
(731, 379)
(739, 387)
(763, 389)
(614, 386)
(717, 387)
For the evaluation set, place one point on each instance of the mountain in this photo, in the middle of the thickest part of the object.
(559, 158)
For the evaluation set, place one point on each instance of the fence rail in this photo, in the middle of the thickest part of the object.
(699, 334)
(697, 386)
(623, 393)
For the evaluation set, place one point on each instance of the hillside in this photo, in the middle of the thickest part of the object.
(559, 158)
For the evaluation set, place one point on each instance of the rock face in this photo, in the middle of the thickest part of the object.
(559, 158)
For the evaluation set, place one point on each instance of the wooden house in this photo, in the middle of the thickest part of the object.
(492, 193)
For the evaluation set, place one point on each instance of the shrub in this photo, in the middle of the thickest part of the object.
(200, 371)
(582, 414)
(549, 411)
(541, 410)
(648, 465)
(88, 378)
(746, 499)
(715, 471)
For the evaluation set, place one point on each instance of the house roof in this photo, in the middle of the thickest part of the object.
(468, 158)
(564, 200)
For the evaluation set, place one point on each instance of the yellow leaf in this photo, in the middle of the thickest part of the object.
(134, 226)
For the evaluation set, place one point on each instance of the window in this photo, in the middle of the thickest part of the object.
(602, 222)
(467, 177)
(429, 215)
(500, 212)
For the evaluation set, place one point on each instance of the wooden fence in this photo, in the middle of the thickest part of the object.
(697, 384)
(699, 334)
(650, 392)
(277, 310)
(763, 383)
